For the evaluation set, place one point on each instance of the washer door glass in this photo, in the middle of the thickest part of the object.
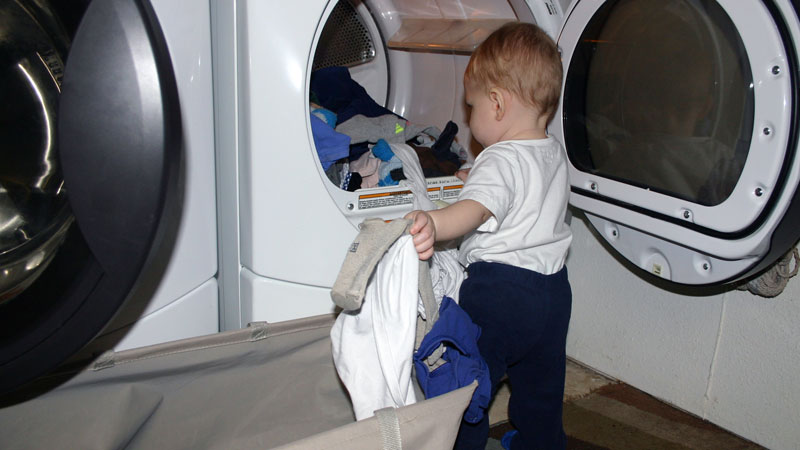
(668, 101)
(90, 181)
(34, 213)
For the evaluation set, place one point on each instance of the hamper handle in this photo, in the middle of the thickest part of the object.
(390, 428)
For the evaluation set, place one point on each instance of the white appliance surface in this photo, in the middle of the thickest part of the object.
(184, 304)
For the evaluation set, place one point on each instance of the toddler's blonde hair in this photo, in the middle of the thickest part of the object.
(523, 59)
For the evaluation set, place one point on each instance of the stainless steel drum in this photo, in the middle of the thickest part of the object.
(34, 213)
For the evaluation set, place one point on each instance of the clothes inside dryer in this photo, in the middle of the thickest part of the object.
(351, 130)
(352, 134)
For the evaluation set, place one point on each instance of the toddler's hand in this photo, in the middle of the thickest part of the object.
(424, 233)
(462, 174)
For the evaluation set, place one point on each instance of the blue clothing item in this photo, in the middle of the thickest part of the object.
(387, 181)
(389, 162)
(326, 116)
(385, 171)
(382, 150)
(505, 441)
(336, 91)
(524, 316)
(331, 145)
(346, 181)
(464, 364)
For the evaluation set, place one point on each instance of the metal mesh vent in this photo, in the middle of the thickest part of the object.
(345, 41)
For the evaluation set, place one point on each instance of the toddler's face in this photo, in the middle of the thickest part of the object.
(482, 117)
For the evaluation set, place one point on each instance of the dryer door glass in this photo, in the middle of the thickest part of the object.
(660, 95)
(679, 119)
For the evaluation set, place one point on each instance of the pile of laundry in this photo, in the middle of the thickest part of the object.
(394, 324)
(400, 319)
(352, 134)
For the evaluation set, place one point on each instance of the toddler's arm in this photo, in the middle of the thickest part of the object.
(445, 224)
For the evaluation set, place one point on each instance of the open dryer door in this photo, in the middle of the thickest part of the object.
(680, 121)
(90, 175)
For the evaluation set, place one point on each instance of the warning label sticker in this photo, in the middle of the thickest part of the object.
(437, 190)
(383, 199)
(451, 192)
(442, 181)
(434, 193)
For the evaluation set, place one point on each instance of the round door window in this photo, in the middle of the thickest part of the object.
(34, 213)
(661, 96)
(678, 117)
(69, 260)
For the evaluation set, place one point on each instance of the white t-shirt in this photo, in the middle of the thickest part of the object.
(525, 185)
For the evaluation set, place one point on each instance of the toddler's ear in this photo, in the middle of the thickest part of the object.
(498, 103)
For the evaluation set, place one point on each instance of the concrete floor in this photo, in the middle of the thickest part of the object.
(601, 413)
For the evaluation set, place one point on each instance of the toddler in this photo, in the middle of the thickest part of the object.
(511, 213)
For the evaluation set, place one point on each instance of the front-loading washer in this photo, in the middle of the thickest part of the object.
(704, 197)
(107, 189)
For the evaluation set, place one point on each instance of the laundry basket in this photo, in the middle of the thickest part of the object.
(265, 386)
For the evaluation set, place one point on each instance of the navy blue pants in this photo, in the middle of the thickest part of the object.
(524, 317)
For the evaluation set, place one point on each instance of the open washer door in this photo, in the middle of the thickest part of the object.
(90, 175)
(680, 120)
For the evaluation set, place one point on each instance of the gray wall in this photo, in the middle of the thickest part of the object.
(727, 356)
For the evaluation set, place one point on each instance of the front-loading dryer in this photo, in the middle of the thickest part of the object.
(107, 190)
(679, 118)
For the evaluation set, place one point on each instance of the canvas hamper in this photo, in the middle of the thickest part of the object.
(264, 386)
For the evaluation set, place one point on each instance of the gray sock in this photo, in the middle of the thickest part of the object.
(374, 239)
(369, 129)
(424, 326)
(428, 303)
